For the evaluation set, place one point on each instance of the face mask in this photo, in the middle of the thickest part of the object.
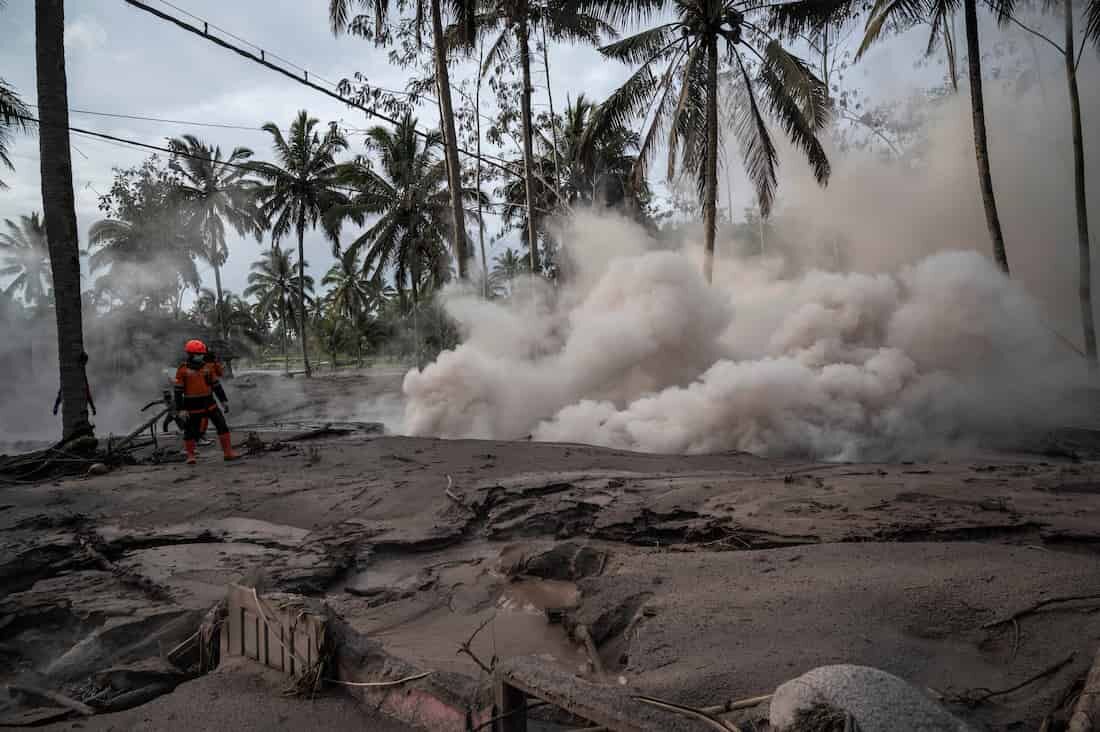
(195, 361)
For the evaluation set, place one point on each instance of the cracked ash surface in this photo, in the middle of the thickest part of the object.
(699, 579)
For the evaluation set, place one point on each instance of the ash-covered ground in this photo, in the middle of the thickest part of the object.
(699, 578)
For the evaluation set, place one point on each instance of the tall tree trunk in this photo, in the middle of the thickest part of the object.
(981, 143)
(450, 139)
(553, 119)
(59, 208)
(952, 56)
(528, 148)
(710, 201)
(218, 307)
(302, 295)
(1085, 255)
(480, 205)
(282, 322)
(416, 317)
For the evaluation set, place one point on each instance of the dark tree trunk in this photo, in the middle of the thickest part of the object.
(302, 295)
(710, 202)
(450, 140)
(60, 211)
(1085, 255)
(219, 316)
(282, 323)
(480, 206)
(981, 143)
(528, 147)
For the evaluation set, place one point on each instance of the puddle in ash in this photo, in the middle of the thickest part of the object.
(539, 595)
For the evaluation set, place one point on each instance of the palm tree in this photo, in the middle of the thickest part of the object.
(59, 209)
(25, 254)
(149, 256)
(300, 188)
(1092, 23)
(799, 15)
(407, 194)
(559, 20)
(13, 116)
(373, 26)
(678, 80)
(352, 296)
(215, 191)
(274, 283)
(507, 266)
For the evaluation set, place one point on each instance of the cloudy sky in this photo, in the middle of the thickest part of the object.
(122, 60)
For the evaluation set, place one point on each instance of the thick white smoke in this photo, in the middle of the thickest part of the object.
(640, 354)
(924, 346)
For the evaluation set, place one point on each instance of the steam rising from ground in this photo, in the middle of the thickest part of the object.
(925, 347)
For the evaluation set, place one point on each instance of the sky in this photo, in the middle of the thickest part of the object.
(122, 60)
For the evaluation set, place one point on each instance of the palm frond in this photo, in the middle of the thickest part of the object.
(886, 12)
(757, 148)
(800, 82)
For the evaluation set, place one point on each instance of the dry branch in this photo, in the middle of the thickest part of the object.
(465, 648)
(53, 696)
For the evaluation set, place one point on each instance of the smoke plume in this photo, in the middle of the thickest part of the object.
(920, 345)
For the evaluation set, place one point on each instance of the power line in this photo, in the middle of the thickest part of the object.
(144, 118)
(304, 80)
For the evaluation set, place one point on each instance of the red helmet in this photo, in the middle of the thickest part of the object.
(195, 347)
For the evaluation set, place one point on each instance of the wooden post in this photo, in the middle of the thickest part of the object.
(511, 708)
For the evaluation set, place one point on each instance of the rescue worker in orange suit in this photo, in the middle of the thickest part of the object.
(215, 365)
(196, 386)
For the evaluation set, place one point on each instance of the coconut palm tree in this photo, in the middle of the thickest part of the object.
(678, 79)
(373, 26)
(13, 117)
(148, 256)
(799, 15)
(275, 284)
(1092, 22)
(352, 296)
(24, 255)
(300, 187)
(59, 210)
(507, 266)
(408, 195)
(513, 21)
(215, 191)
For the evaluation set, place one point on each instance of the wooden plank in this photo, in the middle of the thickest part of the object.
(602, 704)
(511, 708)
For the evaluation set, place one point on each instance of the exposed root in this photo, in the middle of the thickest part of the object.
(1039, 606)
(974, 697)
(711, 720)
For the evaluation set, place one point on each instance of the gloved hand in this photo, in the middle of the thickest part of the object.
(93, 411)
(225, 407)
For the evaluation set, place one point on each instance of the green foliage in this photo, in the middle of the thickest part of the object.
(25, 257)
(145, 248)
(670, 88)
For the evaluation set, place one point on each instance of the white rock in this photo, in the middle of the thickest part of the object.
(878, 701)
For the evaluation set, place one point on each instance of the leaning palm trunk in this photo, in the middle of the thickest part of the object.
(60, 211)
(302, 295)
(710, 202)
(528, 151)
(981, 143)
(450, 139)
(1085, 254)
